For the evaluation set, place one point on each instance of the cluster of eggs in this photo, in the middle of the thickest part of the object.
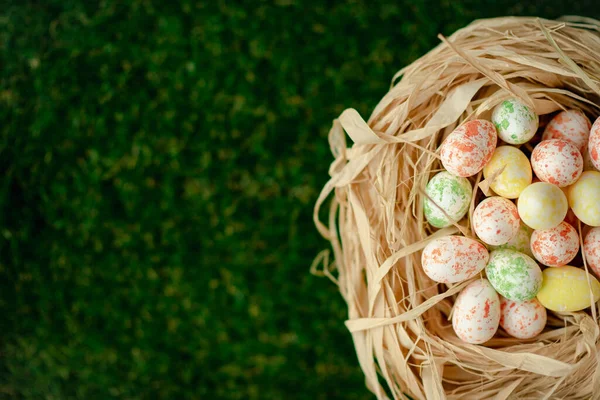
(525, 230)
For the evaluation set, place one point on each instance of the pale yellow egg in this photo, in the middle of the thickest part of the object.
(542, 205)
(584, 198)
(516, 171)
(568, 289)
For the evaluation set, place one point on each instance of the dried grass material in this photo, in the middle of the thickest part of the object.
(399, 319)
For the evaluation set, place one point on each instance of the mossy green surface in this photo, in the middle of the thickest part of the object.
(160, 163)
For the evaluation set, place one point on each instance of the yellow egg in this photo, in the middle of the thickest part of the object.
(515, 176)
(584, 198)
(542, 205)
(567, 289)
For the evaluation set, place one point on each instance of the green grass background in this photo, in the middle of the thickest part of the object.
(160, 161)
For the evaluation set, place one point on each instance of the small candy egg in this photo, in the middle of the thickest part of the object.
(514, 275)
(476, 312)
(523, 320)
(566, 289)
(556, 246)
(557, 161)
(571, 125)
(515, 122)
(449, 193)
(453, 259)
(584, 198)
(469, 148)
(588, 165)
(594, 144)
(516, 171)
(520, 242)
(542, 205)
(496, 220)
(591, 250)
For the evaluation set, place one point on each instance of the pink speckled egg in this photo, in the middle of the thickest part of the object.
(453, 259)
(557, 161)
(594, 144)
(476, 312)
(523, 320)
(556, 246)
(496, 220)
(469, 148)
(570, 125)
(591, 250)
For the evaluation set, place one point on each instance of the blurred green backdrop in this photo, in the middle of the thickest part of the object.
(160, 161)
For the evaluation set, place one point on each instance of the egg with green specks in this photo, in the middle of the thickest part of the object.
(522, 319)
(448, 199)
(514, 275)
(515, 122)
(496, 220)
(476, 312)
(452, 259)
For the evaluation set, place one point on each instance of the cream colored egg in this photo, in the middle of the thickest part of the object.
(594, 144)
(514, 275)
(556, 246)
(568, 289)
(557, 161)
(572, 125)
(515, 122)
(523, 320)
(520, 242)
(584, 198)
(476, 312)
(516, 171)
(448, 199)
(496, 220)
(453, 259)
(591, 250)
(542, 205)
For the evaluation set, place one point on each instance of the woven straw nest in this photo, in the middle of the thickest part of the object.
(400, 319)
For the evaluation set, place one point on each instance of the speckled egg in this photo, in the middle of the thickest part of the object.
(591, 250)
(556, 246)
(566, 289)
(584, 198)
(557, 161)
(594, 144)
(450, 197)
(453, 259)
(520, 242)
(476, 312)
(514, 275)
(516, 171)
(571, 125)
(542, 205)
(496, 220)
(523, 320)
(588, 165)
(469, 148)
(515, 122)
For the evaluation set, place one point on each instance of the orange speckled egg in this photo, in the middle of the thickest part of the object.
(571, 125)
(469, 148)
(496, 220)
(557, 161)
(451, 259)
(476, 312)
(594, 144)
(556, 246)
(591, 250)
(523, 320)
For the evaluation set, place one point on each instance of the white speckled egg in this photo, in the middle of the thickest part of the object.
(453, 259)
(514, 275)
(591, 250)
(515, 122)
(556, 246)
(584, 198)
(523, 320)
(520, 242)
(557, 161)
(450, 197)
(594, 144)
(516, 171)
(469, 148)
(542, 205)
(571, 125)
(476, 312)
(496, 220)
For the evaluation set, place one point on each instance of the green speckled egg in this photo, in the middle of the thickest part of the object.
(449, 193)
(520, 242)
(515, 122)
(514, 275)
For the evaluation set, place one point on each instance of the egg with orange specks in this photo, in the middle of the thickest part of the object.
(522, 319)
(451, 259)
(476, 312)
(594, 144)
(571, 125)
(496, 220)
(557, 161)
(591, 250)
(556, 246)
